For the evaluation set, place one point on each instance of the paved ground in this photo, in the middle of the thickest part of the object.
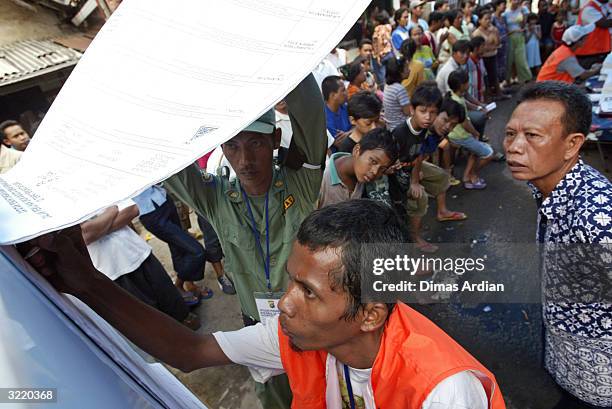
(29, 22)
(505, 337)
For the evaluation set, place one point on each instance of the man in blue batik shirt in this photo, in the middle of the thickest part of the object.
(542, 142)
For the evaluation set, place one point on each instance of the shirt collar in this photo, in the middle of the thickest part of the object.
(233, 190)
(334, 178)
(414, 131)
(556, 203)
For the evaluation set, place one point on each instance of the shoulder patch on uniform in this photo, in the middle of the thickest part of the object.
(207, 177)
(288, 202)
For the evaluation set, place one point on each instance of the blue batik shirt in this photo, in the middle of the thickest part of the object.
(578, 344)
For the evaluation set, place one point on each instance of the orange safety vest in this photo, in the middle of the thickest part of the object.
(598, 42)
(414, 357)
(549, 69)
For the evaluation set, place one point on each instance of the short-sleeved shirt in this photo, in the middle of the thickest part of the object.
(292, 196)
(425, 55)
(578, 337)
(8, 158)
(546, 21)
(431, 142)
(571, 66)
(149, 199)
(347, 144)
(333, 190)
(410, 141)
(515, 18)
(422, 23)
(416, 76)
(337, 121)
(491, 37)
(459, 131)
(395, 98)
(397, 38)
(257, 347)
(119, 252)
(443, 73)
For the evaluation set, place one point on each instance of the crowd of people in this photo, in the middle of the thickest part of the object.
(282, 204)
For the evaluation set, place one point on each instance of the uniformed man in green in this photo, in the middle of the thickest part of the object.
(257, 215)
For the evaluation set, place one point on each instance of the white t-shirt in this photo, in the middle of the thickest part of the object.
(120, 252)
(338, 58)
(323, 70)
(257, 347)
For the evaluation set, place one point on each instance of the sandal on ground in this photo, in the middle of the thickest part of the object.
(205, 293)
(189, 298)
(454, 217)
(427, 247)
(453, 181)
(192, 321)
(478, 185)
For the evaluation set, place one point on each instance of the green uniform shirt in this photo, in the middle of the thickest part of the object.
(292, 197)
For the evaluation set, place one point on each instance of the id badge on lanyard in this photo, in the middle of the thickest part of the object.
(267, 304)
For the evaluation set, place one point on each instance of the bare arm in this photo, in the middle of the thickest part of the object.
(467, 125)
(472, 103)
(406, 110)
(64, 260)
(589, 73)
(124, 217)
(99, 226)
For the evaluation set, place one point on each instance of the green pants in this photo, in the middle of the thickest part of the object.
(435, 180)
(517, 56)
(274, 394)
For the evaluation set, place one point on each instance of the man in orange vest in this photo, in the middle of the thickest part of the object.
(337, 351)
(562, 64)
(597, 45)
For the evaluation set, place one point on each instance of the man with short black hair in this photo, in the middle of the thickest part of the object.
(416, 11)
(542, 142)
(337, 349)
(364, 113)
(14, 136)
(335, 97)
(257, 215)
(459, 57)
(441, 6)
(366, 49)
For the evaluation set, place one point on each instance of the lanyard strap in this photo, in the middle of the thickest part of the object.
(349, 387)
(255, 231)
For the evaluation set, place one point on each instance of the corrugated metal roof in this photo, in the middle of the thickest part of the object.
(26, 59)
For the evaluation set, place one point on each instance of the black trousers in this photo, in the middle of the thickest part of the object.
(151, 284)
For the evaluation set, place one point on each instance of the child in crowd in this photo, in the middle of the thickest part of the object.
(423, 53)
(396, 101)
(532, 43)
(415, 67)
(414, 179)
(476, 69)
(347, 173)
(466, 136)
(558, 28)
(356, 78)
(364, 114)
